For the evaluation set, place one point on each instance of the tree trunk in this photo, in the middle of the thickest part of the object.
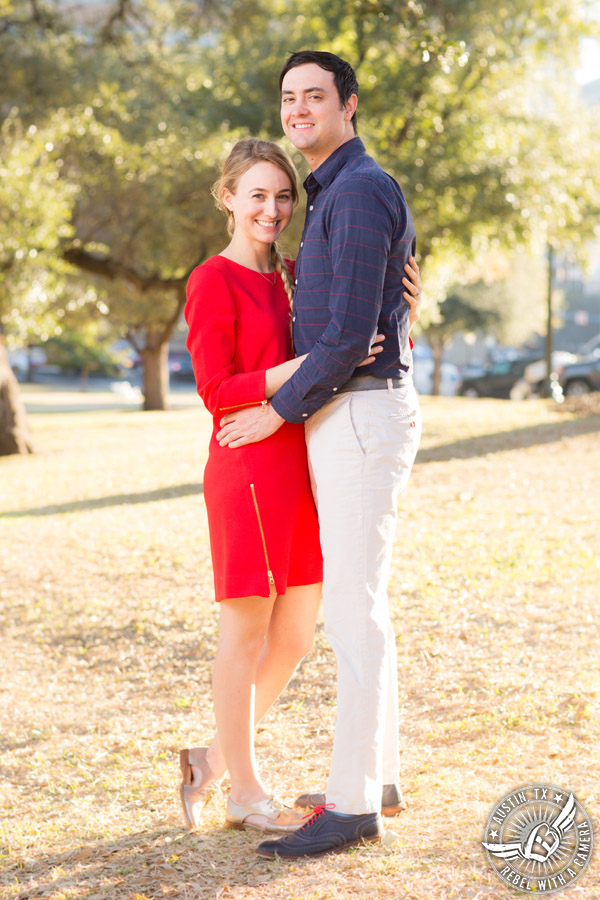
(437, 348)
(156, 374)
(14, 433)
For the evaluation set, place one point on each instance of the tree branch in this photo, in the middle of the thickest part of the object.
(105, 267)
(118, 15)
(113, 270)
(181, 297)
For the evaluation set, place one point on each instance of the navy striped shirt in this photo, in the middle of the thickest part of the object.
(357, 237)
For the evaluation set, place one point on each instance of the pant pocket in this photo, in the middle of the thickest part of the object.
(358, 416)
(404, 416)
(405, 407)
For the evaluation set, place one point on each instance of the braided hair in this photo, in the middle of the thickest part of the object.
(284, 273)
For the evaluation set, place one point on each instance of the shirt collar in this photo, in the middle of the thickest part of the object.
(326, 172)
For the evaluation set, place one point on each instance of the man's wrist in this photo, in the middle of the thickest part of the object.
(274, 416)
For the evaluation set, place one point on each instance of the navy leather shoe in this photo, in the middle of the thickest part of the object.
(324, 833)
(392, 801)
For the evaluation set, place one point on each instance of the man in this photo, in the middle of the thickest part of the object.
(362, 432)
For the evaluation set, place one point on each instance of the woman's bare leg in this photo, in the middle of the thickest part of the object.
(244, 624)
(288, 639)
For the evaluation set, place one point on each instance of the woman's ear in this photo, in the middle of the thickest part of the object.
(227, 199)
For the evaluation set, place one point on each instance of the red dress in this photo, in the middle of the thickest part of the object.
(261, 514)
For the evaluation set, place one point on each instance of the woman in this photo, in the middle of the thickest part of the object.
(262, 520)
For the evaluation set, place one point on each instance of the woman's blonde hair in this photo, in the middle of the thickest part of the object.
(244, 155)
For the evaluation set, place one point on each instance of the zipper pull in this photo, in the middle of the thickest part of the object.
(264, 404)
(271, 578)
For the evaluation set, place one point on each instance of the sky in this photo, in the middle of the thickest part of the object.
(589, 69)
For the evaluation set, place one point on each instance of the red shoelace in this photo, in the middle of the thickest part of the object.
(317, 811)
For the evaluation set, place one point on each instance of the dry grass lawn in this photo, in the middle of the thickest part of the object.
(109, 631)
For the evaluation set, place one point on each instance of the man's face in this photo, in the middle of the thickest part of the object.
(311, 113)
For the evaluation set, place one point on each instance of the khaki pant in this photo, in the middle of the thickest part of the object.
(361, 448)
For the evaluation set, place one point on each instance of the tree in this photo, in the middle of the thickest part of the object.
(92, 136)
(34, 214)
(141, 102)
(508, 304)
(467, 133)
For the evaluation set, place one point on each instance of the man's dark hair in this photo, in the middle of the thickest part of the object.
(344, 76)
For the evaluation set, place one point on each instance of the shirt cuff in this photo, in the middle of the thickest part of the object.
(283, 404)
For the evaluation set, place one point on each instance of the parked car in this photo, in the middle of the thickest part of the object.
(180, 365)
(534, 380)
(589, 348)
(497, 380)
(471, 370)
(423, 377)
(581, 377)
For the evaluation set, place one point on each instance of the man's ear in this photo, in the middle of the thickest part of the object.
(350, 107)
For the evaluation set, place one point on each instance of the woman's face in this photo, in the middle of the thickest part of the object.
(262, 204)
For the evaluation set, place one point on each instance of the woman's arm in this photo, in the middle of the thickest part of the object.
(210, 313)
(278, 375)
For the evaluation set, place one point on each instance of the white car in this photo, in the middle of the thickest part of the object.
(534, 376)
(423, 377)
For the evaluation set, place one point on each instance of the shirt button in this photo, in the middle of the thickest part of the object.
(334, 389)
(302, 243)
(311, 207)
(305, 415)
(293, 318)
(296, 281)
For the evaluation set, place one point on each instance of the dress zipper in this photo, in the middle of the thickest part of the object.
(263, 403)
(262, 535)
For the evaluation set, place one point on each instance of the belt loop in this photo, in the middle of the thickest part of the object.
(390, 383)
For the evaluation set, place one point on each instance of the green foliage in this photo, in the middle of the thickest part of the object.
(509, 303)
(115, 125)
(82, 350)
(35, 208)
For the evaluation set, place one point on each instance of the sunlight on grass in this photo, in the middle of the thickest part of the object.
(110, 632)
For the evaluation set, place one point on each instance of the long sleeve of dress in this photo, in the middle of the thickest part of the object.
(210, 313)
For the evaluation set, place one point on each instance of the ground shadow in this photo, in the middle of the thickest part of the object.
(167, 862)
(144, 864)
(469, 448)
(518, 439)
(168, 493)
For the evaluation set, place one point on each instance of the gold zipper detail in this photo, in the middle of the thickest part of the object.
(262, 403)
(262, 536)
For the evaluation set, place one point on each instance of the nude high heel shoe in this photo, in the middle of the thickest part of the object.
(195, 794)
